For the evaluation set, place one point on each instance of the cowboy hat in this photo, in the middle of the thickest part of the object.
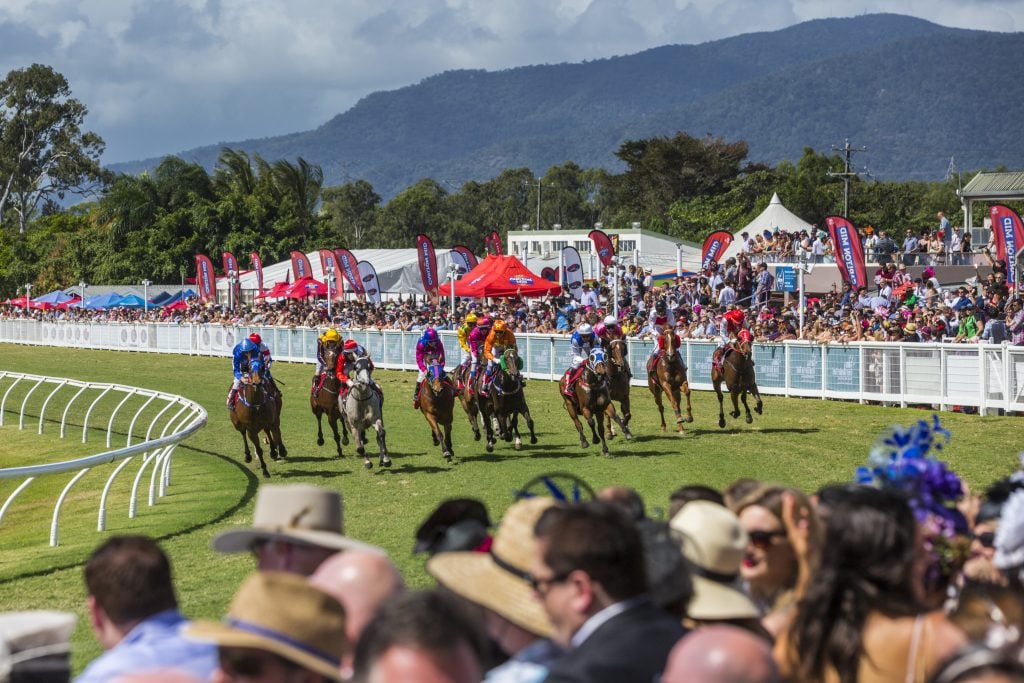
(295, 513)
(282, 613)
(714, 543)
(498, 580)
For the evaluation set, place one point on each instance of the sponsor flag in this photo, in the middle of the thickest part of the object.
(428, 263)
(573, 272)
(714, 246)
(1008, 231)
(257, 266)
(230, 264)
(603, 246)
(368, 278)
(301, 266)
(460, 261)
(848, 250)
(466, 254)
(493, 243)
(550, 274)
(350, 269)
(329, 262)
(205, 278)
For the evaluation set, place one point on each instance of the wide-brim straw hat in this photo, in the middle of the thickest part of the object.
(282, 613)
(296, 513)
(714, 543)
(497, 580)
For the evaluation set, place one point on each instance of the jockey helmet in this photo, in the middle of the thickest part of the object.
(350, 345)
(247, 346)
(255, 339)
(610, 320)
(585, 330)
(483, 321)
(430, 334)
(331, 335)
(471, 319)
(661, 307)
(499, 325)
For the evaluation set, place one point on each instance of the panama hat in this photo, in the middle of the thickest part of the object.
(714, 543)
(497, 580)
(296, 513)
(282, 613)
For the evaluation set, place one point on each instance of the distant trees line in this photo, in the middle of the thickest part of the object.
(151, 225)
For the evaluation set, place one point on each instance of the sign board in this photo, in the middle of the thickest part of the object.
(785, 278)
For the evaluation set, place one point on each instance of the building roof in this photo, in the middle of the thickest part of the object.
(1009, 185)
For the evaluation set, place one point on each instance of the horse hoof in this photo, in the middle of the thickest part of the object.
(476, 436)
(750, 419)
(689, 419)
(680, 420)
(629, 436)
(434, 439)
(663, 429)
(283, 452)
(385, 462)
(721, 422)
(248, 458)
(320, 441)
(344, 440)
(368, 465)
(758, 408)
(518, 444)
(735, 414)
(606, 454)
(266, 474)
(533, 439)
(584, 444)
(490, 447)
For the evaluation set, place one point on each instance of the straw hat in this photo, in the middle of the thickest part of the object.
(296, 513)
(282, 613)
(497, 580)
(714, 543)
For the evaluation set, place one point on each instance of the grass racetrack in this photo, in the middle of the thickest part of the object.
(803, 442)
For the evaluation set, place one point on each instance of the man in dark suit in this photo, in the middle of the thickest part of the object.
(588, 572)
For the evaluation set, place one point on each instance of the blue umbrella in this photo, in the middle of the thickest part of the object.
(161, 298)
(55, 297)
(102, 301)
(130, 301)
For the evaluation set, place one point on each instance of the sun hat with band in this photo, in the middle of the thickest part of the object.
(714, 544)
(294, 513)
(282, 613)
(498, 580)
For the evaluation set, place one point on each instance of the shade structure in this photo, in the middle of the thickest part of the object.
(304, 287)
(277, 291)
(21, 301)
(103, 301)
(55, 297)
(178, 305)
(161, 298)
(70, 303)
(131, 301)
(501, 276)
(180, 296)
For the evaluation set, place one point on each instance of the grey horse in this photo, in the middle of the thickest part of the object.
(361, 409)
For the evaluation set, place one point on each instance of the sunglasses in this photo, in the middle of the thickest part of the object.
(762, 540)
(251, 663)
(987, 539)
(542, 586)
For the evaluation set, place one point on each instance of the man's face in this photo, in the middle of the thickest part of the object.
(298, 558)
(554, 595)
(237, 664)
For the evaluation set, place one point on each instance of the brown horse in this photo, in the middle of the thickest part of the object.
(508, 400)
(437, 402)
(590, 398)
(325, 400)
(669, 376)
(468, 399)
(257, 410)
(738, 374)
(619, 376)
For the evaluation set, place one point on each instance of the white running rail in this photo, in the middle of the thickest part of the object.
(171, 419)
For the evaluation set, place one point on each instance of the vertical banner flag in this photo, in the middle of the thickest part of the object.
(204, 278)
(329, 262)
(848, 250)
(573, 272)
(460, 260)
(350, 268)
(301, 266)
(428, 263)
(494, 242)
(466, 254)
(368, 278)
(257, 266)
(714, 246)
(1008, 231)
(231, 264)
(602, 246)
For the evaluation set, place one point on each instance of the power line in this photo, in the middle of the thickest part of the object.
(846, 174)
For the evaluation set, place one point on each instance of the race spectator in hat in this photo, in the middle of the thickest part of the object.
(278, 628)
(721, 654)
(295, 528)
(133, 611)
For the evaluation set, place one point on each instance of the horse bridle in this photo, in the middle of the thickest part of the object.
(621, 366)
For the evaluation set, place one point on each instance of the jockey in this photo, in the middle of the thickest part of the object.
(243, 354)
(583, 340)
(660, 318)
(497, 341)
(609, 329)
(464, 330)
(733, 324)
(476, 345)
(429, 346)
(350, 351)
(331, 336)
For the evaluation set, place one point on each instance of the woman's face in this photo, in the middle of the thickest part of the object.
(769, 562)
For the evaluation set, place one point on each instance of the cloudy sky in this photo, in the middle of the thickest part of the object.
(163, 76)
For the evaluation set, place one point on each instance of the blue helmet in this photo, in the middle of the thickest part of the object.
(430, 335)
(247, 346)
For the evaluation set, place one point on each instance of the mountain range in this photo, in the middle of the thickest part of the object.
(914, 93)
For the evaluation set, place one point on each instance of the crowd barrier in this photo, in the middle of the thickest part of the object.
(156, 423)
(986, 377)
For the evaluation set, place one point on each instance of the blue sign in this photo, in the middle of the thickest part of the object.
(785, 278)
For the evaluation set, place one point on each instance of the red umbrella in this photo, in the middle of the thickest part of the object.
(306, 286)
(178, 305)
(278, 290)
(70, 302)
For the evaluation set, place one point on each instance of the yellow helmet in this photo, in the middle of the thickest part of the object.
(499, 325)
(471, 318)
(331, 335)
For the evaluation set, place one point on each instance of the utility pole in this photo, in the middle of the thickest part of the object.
(846, 174)
(540, 184)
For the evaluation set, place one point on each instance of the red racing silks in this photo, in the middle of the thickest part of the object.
(350, 269)
(1008, 232)
(205, 278)
(428, 263)
(602, 246)
(715, 245)
(301, 266)
(848, 250)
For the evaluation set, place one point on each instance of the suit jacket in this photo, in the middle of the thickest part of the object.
(629, 647)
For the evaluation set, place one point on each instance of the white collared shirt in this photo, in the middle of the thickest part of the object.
(598, 620)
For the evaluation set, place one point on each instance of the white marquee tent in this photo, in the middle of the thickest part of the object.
(774, 216)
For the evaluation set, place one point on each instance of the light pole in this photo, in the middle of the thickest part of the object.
(28, 295)
(679, 260)
(539, 184)
(82, 286)
(145, 297)
(453, 274)
(232, 279)
(801, 268)
(615, 285)
(330, 289)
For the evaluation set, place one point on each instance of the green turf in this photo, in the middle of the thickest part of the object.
(798, 441)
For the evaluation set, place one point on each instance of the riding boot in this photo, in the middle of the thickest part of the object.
(568, 383)
(416, 396)
(231, 398)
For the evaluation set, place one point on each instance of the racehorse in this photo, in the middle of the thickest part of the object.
(437, 401)
(256, 410)
(737, 372)
(325, 400)
(590, 397)
(361, 409)
(668, 375)
(468, 399)
(508, 401)
(619, 375)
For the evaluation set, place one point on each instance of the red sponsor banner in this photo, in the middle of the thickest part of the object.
(1008, 232)
(603, 246)
(428, 263)
(301, 266)
(550, 274)
(329, 267)
(848, 250)
(350, 269)
(205, 278)
(257, 266)
(714, 246)
(467, 254)
(492, 243)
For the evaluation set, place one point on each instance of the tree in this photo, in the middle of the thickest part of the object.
(351, 212)
(43, 151)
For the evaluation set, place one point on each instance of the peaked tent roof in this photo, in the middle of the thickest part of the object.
(103, 301)
(131, 301)
(501, 276)
(775, 215)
